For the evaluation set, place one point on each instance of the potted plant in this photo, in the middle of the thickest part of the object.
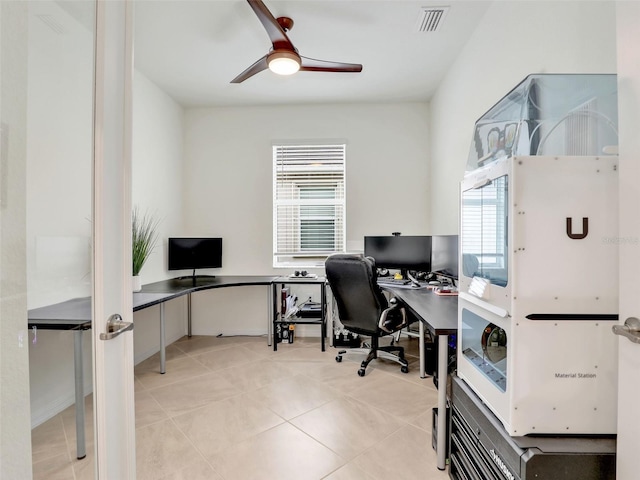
(144, 238)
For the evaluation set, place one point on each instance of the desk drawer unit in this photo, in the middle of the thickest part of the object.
(481, 449)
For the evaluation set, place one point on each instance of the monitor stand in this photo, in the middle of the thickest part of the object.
(194, 277)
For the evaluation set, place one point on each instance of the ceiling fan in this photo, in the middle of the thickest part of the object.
(283, 58)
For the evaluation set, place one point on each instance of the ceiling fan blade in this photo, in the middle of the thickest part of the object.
(277, 35)
(257, 67)
(313, 65)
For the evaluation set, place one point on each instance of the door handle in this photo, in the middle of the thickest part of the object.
(630, 329)
(115, 326)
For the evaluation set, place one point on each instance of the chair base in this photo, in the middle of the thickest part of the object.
(375, 352)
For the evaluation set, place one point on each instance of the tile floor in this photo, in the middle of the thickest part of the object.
(232, 409)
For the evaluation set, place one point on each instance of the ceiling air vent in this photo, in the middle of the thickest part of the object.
(430, 18)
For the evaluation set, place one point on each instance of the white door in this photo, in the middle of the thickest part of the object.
(628, 38)
(113, 355)
(48, 132)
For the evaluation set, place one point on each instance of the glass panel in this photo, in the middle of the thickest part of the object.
(15, 454)
(485, 232)
(485, 346)
(59, 218)
(549, 114)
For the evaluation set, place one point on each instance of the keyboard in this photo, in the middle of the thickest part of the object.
(404, 283)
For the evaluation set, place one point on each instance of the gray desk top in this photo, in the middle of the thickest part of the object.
(439, 313)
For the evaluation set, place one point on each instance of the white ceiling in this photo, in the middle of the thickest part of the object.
(193, 49)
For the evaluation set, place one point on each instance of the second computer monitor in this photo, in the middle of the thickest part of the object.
(400, 252)
(444, 255)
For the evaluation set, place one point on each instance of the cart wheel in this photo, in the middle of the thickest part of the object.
(361, 372)
(404, 369)
(339, 358)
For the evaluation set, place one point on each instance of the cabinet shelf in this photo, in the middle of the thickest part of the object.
(320, 319)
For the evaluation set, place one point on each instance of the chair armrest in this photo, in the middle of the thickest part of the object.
(390, 325)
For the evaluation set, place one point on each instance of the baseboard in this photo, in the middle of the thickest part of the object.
(140, 357)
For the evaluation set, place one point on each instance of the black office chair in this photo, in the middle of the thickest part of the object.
(363, 308)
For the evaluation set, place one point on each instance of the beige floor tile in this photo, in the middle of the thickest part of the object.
(302, 352)
(148, 372)
(48, 440)
(294, 395)
(349, 472)
(221, 358)
(340, 376)
(193, 393)
(200, 471)
(215, 427)
(398, 397)
(203, 343)
(347, 426)
(84, 469)
(161, 450)
(53, 468)
(283, 453)
(425, 421)
(406, 454)
(148, 410)
(254, 375)
(172, 352)
(229, 424)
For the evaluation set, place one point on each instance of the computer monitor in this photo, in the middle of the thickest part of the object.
(193, 253)
(444, 255)
(400, 252)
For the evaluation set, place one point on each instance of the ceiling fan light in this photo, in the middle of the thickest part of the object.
(284, 62)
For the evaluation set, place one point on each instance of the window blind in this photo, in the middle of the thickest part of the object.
(484, 224)
(309, 203)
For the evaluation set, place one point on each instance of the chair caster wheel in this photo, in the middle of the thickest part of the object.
(361, 372)
(404, 369)
(339, 358)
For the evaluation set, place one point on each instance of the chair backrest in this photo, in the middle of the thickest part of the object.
(353, 282)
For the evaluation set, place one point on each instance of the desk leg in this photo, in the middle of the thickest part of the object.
(323, 315)
(163, 356)
(423, 370)
(79, 373)
(276, 298)
(443, 370)
(188, 315)
(270, 301)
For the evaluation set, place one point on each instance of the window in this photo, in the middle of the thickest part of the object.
(484, 231)
(308, 203)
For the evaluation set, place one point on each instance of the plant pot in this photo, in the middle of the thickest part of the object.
(136, 283)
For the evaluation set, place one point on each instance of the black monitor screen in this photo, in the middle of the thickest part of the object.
(400, 252)
(192, 253)
(444, 255)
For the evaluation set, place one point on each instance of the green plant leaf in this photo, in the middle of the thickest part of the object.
(144, 238)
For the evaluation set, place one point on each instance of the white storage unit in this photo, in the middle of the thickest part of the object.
(539, 254)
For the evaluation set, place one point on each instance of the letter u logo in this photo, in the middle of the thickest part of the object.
(578, 236)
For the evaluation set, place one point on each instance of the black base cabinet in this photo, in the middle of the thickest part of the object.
(480, 448)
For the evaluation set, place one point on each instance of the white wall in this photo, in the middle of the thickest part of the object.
(513, 40)
(229, 172)
(157, 167)
(229, 183)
